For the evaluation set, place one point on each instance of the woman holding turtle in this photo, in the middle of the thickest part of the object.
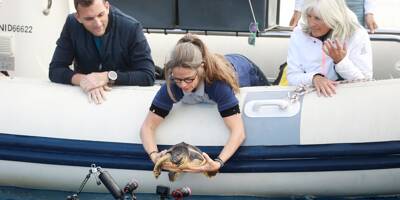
(194, 75)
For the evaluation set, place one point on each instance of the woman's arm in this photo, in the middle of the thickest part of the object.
(369, 7)
(236, 137)
(296, 13)
(147, 135)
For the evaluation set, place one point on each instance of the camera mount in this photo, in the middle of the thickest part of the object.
(107, 180)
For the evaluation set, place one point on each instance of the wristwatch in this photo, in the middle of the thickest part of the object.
(112, 77)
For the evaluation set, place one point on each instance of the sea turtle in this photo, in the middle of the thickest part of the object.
(183, 156)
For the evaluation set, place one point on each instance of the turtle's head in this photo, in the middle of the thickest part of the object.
(177, 160)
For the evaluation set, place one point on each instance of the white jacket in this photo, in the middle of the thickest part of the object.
(306, 58)
(369, 6)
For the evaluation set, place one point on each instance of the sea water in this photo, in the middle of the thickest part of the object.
(11, 193)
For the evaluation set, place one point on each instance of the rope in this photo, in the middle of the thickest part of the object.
(307, 89)
(252, 11)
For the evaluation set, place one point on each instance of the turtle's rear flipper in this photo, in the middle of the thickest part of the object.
(210, 174)
(172, 176)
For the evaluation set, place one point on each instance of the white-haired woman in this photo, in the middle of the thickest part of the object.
(331, 45)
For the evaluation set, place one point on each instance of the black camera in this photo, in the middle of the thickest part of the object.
(177, 194)
(162, 191)
(130, 188)
(180, 193)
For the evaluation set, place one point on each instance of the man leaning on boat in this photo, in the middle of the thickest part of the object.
(106, 46)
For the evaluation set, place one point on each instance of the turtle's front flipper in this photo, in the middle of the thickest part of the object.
(159, 163)
(172, 176)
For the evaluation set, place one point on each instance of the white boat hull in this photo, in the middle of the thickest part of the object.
(345, 145)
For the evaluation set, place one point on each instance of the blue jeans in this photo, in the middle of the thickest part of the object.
(248, 73)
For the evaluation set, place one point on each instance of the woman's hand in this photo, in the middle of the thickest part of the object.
(210, 166)
(156, 155)
(324, 86)
(336, 50)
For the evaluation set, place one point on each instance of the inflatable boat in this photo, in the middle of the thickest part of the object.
(297, 143)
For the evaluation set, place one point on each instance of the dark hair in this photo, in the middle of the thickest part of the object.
(84, 3)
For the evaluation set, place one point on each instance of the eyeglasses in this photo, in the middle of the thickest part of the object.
(186, 80)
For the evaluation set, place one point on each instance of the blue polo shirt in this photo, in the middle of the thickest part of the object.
(218, 91)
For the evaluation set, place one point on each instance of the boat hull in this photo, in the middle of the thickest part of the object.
(330, 183)
(345, 145)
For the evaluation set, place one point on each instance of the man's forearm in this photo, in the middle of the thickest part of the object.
(140, 78)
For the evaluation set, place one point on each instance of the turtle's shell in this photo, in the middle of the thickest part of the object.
(182, 156)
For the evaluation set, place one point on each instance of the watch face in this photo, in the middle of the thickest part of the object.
(112, 75)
